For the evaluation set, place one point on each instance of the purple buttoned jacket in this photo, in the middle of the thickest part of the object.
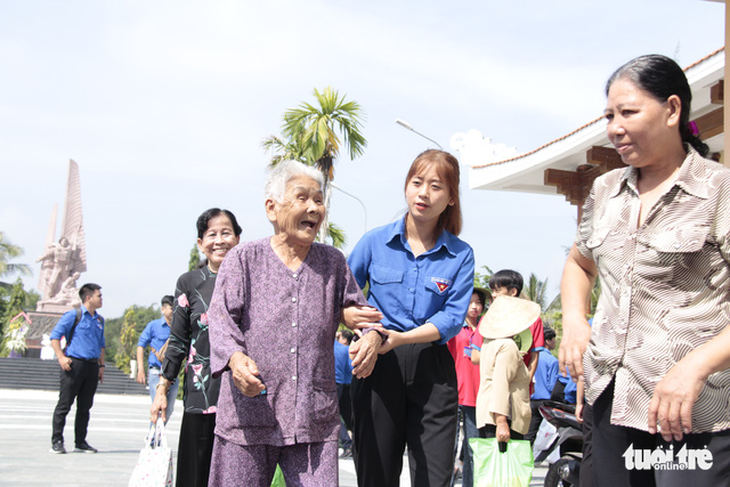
(285, 321)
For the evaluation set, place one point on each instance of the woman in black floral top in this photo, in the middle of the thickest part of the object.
(218, 232)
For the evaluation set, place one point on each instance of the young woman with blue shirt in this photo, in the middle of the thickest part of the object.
(421, 279)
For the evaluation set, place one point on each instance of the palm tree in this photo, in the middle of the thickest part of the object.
(313, 137)
(9, 251)
(536, 290)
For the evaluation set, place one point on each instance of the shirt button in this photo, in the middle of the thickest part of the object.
(293, 300)
(410, 289)
(293, 349)
(294, 377)
(296, 277)
(294, 324)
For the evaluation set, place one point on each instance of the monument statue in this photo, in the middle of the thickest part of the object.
(63, 262)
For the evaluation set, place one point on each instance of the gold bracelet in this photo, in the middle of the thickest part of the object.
(163, 385)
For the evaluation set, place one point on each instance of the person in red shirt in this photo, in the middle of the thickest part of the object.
(467, 375)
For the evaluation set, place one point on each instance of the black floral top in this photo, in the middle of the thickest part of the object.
(189, 341)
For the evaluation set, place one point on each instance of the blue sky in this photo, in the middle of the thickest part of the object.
(164, 106)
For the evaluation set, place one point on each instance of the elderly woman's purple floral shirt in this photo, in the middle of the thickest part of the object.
(285, 321)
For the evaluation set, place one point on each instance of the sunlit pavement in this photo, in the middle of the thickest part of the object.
(117, 429)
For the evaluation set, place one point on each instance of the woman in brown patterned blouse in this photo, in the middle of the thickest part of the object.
(657, 234)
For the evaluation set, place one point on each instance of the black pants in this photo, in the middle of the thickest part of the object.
(410, 398)
(586, 463)
(535, 420)
(79, 382)
(345, 403)
(619, 450)
(195, 449)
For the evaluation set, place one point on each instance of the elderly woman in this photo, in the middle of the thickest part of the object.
(189, 344)
(276, 307)
(658, 235)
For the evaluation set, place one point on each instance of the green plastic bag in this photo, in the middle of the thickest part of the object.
(278, 480)
(513, 468)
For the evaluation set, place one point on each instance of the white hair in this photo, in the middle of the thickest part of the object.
(284, 172)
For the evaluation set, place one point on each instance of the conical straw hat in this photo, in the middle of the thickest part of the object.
(508, 316)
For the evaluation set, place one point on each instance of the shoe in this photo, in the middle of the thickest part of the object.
(346, 453)
(85, 448)
(57, 447)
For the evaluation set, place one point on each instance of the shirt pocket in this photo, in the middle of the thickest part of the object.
(597, 238)
(386, 285)
(675, 257)
(258, 411)
(383, 275)
(325, 405)
(434, 298)
(679, 240)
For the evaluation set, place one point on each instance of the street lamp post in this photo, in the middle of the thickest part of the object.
(364, 208)
(407, 126)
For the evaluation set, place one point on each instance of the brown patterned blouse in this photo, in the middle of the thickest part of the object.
(665, 287)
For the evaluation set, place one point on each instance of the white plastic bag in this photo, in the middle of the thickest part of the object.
(544, 438)
(154, 466)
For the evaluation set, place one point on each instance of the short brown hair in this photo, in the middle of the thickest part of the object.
(447, 167)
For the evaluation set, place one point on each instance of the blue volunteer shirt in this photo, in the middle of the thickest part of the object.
(155, 335)
(88, 337)
(571, 388)
(434, 287)
(546, 374)
(343, 364)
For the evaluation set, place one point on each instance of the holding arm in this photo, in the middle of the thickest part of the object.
(505, 368)
(140, 366)
(675, 395)
(102, 365)
(575, 288)
(62, 329)
(180, 333)
(144, 339)
(227, 345)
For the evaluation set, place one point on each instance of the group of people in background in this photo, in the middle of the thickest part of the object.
(655, 363)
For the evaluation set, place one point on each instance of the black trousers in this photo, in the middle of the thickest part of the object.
(535, 420)
(621, 454)
(586, 463)
(195, 449)
(411, 399)
(79, 382)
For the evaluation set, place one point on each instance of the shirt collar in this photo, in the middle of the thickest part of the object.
(692, 177)
(399, 231)
(84, 310)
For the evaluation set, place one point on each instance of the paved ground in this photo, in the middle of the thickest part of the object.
(117, 428)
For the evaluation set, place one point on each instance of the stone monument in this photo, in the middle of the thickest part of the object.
(62, 263)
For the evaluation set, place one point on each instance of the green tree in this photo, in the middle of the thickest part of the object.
(536, 290)
(194, 258)
(15, 304)
(123, 333)
(312, 136)
(9, 251)
(481, 279)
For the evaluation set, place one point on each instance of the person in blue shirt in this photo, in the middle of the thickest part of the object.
(545, 376)
(82, 366)
(155, 335)
(343, 378)
(420, 277)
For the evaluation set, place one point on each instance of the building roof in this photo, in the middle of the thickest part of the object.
(503, 169)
